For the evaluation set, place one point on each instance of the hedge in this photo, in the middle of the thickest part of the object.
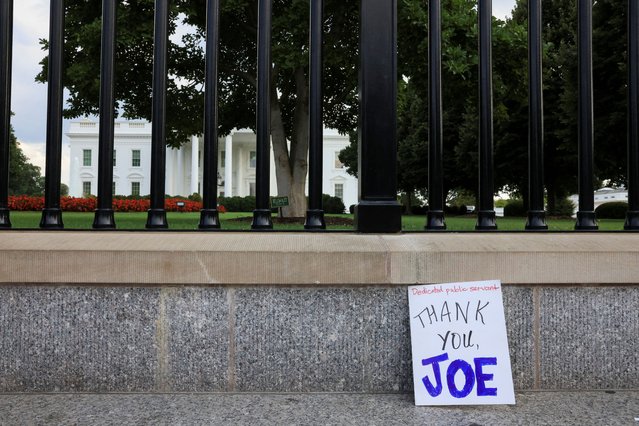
(614, 210)
(515, 208)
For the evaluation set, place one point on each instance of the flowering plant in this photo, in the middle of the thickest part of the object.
(89, 204)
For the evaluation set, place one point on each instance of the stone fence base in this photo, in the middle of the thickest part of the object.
(58, 336)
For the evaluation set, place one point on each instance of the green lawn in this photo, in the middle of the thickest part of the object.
(189, 221)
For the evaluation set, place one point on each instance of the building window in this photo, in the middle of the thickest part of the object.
(339, 191)
(338, 164)
(252, 189)
(86, 157)
(135, 188)
(223, 159)
(114, 157)
(86, 189)
(113, 188)
(252, 159)
(135, 159)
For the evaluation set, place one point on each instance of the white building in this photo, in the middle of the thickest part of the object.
(236, 161)
(602, 196)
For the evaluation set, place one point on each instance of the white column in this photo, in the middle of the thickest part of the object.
(239, 185)
(75, 187)
(179, 177)
(228, 167)
(170, 169)
(195, 147)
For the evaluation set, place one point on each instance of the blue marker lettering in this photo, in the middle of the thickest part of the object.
(469, 375)
(482, 378)
(437, 389)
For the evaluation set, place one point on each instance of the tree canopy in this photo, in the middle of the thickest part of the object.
(290, 85)
(237, 76)
(24, 177)
(460, 98)
(511, 97)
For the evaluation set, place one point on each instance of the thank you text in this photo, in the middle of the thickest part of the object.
(459, 344)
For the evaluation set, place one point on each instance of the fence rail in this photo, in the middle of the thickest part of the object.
(378, 209)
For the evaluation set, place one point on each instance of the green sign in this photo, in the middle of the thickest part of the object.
(279, 202)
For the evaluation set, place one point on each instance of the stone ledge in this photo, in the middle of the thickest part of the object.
(150, 258)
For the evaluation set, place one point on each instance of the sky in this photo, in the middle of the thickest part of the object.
(29, 99)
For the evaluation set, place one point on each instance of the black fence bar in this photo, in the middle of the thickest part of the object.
(104, 218)
(435, 219)
(486, 212)
(586, 215)
(262, 212)
(6, 41)
(157, 214)
(536, 211)
(632, 217)
(52, 214)
(209, 216)
(378, 209)
(315, 213)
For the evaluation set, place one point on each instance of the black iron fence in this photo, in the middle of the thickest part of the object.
(378, 209)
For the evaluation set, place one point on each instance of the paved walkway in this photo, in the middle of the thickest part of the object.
(533, 408)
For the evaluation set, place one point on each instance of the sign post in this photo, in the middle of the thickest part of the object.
(459, 344)
(278, 203)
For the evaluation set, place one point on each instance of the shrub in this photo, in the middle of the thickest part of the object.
(563, 207)
(455, 210)
(195, 197)
(515, 208)
(614, 210)
(238, 204)
(332, 205)
(351, 209)
(419, 210)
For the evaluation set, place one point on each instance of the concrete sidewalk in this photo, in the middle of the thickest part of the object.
(533, 408)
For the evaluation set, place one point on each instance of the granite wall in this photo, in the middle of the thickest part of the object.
(286, 338)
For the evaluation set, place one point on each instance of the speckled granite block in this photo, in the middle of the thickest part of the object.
(589, 338)
(197, 327)
(294, 339)
(77, 339)
(519, 313)
(388, 365)
(354, 339)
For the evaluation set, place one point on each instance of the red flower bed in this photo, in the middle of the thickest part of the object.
(126, 205)
(25, 203)
(71, 204)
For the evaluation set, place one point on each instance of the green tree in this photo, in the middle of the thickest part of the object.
(561, 96)
(237, 79)
(560, 110)
(460, 98)
(24, 177)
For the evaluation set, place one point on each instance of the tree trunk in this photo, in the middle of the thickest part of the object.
(291, 165)
(299, 147)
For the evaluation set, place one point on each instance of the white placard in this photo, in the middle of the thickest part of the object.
(459, 343)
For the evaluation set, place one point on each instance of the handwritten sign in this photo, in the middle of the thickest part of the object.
(459, 343)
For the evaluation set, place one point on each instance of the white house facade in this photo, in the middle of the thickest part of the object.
(236, 163)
